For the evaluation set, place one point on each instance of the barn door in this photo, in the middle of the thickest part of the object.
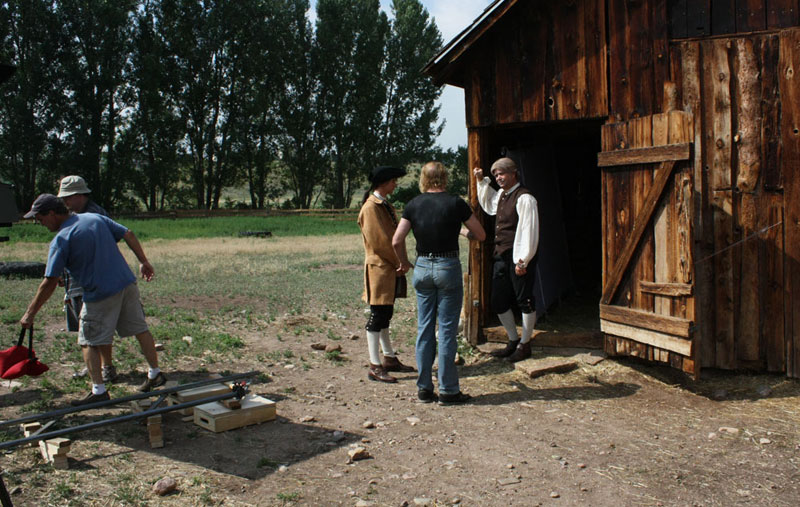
(647, 308)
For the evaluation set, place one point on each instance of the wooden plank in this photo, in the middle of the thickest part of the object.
(724, 305)
(751, 16)
(646, 320)
(595, 56)
(678, 21)
(537, 367)
(681, 261)
(770, 113)
(649, 155)
(698, 12)
(661, 304)
(748, 116)
(782, 13)
(642, 265)
(668, 289)
(507, 71)
(789, 69)
(583, 340)
(774, 293)
(621, 102)
(717, 52)
(748, 328)
(479, 266)
(532, 80)
(639, 225)
(723, 17)
(661, 340)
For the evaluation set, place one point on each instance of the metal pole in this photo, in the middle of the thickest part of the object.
(236, 393)
(133, 397)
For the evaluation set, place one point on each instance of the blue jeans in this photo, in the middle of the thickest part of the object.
(440, 292)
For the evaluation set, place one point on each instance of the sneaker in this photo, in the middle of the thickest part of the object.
(81, 373)
(151, 383)
(90, 398)
(109, 374)
(425, 396)
(453, 399)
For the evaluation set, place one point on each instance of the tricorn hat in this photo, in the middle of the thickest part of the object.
(384, 173)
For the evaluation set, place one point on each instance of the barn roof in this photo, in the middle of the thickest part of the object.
(444, 67)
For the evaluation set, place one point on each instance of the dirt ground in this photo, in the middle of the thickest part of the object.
(614, 433)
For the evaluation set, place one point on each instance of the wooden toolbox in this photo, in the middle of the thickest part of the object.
(217, 417)
(196, 394)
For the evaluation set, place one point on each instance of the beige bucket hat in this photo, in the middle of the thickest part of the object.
(71, 185)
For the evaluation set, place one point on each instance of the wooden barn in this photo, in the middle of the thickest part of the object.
(661, 139)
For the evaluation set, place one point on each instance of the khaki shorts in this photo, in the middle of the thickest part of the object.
(121, 312)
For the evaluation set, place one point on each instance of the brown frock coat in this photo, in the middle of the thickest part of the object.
(380, 261)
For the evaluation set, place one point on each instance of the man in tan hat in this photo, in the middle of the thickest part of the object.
(75, 194)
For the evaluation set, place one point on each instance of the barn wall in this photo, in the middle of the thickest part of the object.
(542, 61)
(703, 18)
(731, 85)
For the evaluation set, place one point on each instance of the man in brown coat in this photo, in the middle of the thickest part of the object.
(378, 222)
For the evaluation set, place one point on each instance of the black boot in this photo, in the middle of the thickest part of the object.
(511, 346)
(523, 352)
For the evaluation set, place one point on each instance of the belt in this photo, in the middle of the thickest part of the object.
(430, 255)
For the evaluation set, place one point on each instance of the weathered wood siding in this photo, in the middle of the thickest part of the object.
(542, 61)
(703, 18)
(732, 87)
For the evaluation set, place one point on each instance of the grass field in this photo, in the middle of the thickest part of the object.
(217, 227)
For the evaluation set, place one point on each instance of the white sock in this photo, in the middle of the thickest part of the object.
(153, 373)
(386, 343)
(374, 344)
(528, 322)
(510, 325)
(98, 388)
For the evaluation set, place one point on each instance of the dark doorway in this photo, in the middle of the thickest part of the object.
(559, 165)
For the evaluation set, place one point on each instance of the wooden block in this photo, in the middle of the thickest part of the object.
(55, 451)
(29, 429)
(232, 404)
(196, 394)
(154, 420)
(157, 443)
(138, 406)
(216, 417)
(60, 462)
(538, 367)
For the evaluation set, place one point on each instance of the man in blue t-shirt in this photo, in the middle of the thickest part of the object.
(86, 246)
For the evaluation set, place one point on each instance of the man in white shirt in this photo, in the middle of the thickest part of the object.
(516, 242)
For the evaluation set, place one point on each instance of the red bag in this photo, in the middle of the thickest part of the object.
(29, 365)
(12, 355)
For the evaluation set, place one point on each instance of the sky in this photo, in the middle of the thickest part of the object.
(451, 16)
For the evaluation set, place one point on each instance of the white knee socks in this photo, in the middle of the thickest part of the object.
(510, 325)
(373, 344)
(528, 322)
(386, 343)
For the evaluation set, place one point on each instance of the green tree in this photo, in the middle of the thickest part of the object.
(410, 115)
(300, 139)
(349, 55)
(30, 108)
(94, 50)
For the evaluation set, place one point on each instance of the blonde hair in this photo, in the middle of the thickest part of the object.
(432, 175)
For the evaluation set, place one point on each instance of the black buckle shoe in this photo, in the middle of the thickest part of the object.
(510, 348)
